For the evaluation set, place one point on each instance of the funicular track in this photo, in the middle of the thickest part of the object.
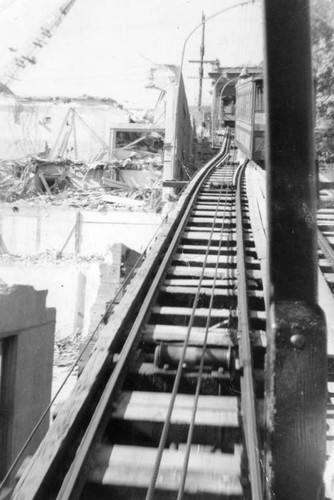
(176, 415)
(325, 218)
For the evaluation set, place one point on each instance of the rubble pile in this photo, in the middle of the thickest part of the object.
(54, 257)
(80, 184)
(66, 350)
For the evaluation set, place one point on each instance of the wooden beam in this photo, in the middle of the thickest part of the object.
(152, 406)
(45, 184)
(214, 473)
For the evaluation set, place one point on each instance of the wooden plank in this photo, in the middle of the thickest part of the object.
(216, 336)
(326, 211)
(325, 218)
(210, 259)
(192, 290)
(203, 248)
(216, 236)
(227, 285)
(256, 189)
(68, 238)
(122, 200)
(152, 407)
(203, 312)
(215, 230)
(218, 219)
(215, 198)
(45, 184)
(211, 208)
(228, 213)
(329, 278)
(174, 184)
(115, 184)
(222, 274)
(325, 263)
(215, 473)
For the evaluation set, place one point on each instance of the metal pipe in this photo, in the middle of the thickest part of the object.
(166, 354)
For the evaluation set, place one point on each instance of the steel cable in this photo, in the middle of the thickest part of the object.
(201, 367)
(165, 430)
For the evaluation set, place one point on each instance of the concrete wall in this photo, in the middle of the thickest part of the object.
(72, 290)
(27, 340)
(32, 230)
(73, 285)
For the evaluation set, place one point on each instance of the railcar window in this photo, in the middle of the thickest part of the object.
(259, 105)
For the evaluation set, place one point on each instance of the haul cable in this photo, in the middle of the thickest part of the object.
(165, 430)
(201, 366)
(73, 479)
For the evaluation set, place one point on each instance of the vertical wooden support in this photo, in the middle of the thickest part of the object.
(296, 371)
(80, 302)
(74, 128)
(170, 140)
(78, 233)
(112, 142)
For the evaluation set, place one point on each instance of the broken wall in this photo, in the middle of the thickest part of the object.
(27, 341)
(29, 126)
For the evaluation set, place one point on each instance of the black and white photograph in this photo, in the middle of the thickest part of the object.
(166, 249)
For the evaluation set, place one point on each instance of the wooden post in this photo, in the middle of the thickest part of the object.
(112, 142)
(80, 303)
(296, 370)
(78, 235)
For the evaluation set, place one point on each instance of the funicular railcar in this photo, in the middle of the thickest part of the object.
(250, 119)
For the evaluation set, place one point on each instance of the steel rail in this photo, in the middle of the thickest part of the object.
(245, 355)
(73, 481)
(201, 366)
(165, 430)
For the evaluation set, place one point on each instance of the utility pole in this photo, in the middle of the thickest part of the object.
(202, 50)
(201, 63)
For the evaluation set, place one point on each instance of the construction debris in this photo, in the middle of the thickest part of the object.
(79, 184)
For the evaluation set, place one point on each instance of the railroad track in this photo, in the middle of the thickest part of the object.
(178, 415)
(325, 219)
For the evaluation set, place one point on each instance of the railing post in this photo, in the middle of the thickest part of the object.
(296, 370)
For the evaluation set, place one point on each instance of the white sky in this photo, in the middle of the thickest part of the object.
(102, 47)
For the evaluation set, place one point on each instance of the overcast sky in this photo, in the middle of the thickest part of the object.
(104, 47)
